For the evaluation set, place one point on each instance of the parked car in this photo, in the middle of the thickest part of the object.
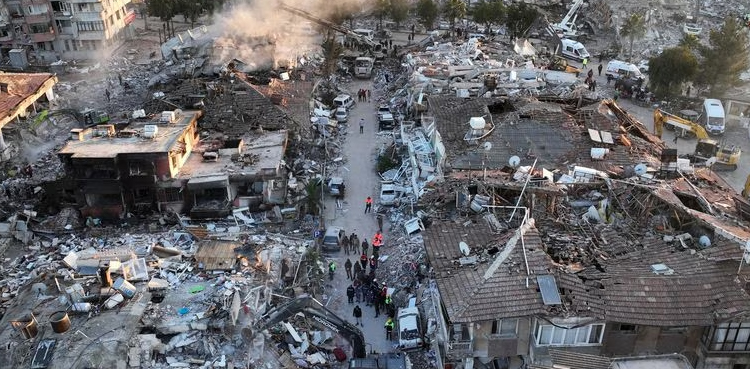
(343, 101)
(389, 193)
(386, 121)
(410, 327)
(342, 116)
(383, 109)
(333, 238)
(336, 186)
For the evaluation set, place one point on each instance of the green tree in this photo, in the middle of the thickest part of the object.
(669, 70)
(427, 11)
(488, 13)
(314, 197)
(725, 58)
(454, 9)
(691, 42)
(164, 9)
(399, 11)
(519, 19)
(634, 28)
(380, 10)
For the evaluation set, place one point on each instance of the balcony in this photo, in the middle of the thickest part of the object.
(37, 18)
(63, 15)
(43, 37)
(460, 349)
(91, 35)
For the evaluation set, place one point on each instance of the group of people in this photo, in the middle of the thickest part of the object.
(374, 294)
(363, 95)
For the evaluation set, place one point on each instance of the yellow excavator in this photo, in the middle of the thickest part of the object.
(707, 151)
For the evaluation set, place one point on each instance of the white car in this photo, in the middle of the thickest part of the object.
(643, 66)
(410, 327)
(342, 115)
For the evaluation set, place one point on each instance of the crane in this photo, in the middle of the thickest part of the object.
(328, 24)
(727, 156)
(567, 26)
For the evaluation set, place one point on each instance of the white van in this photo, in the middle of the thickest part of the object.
(409, 327)
(713, 117)
(572, 49)
(617, 69)
(366, 33)
(343, 101)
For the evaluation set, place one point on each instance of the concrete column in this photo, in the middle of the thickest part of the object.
(4, 152)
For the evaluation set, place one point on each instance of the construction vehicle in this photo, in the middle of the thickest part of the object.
(318, 314)
(567, 26)
(559, 63)
(707, 151)
(362, 39)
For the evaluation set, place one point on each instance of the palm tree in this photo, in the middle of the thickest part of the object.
(634, 28)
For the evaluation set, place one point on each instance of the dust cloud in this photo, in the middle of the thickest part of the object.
(262, 35)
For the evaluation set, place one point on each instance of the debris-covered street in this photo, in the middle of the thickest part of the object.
(375, 185)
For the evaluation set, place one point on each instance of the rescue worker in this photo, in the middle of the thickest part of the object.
(389, 329)
(363, 261)
(358, 315)
(350, 293)
(331, 269)
(368, 204)
(348, 267)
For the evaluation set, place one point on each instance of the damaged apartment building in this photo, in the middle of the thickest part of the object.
(583, 240)
(165, 164)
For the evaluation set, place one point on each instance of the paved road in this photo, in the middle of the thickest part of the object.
(734, 136)
(361, 181)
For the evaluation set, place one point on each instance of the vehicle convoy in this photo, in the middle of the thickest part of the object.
(726, 156)
(318, 314)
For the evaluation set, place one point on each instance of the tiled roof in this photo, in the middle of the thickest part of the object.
(507, 292)
(699, 292)
(20, 87)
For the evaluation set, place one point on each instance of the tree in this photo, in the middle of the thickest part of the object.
(725, 58)
(332, 50)
(669, 70)
(634, 28)
(690, 42)
(519, 19)
(399, 11)
(164, 9)
(428, 12)
(488, 13)
(314, 197)
(380, 10)
(454, 9)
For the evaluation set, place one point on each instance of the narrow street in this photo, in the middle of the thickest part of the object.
(361, 180)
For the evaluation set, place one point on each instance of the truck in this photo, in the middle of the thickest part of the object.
(363, 67)
(717, 155)
(561, 64)
(317, 314)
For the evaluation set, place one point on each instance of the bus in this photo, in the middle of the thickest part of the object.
(713, 117)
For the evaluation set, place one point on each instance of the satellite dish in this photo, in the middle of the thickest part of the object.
(487, 146)
(514, 161)
(711, 161)
(464, 248)
(641, 169)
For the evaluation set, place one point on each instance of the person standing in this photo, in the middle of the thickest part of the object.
(380, 222)
(367, 94)
(389, 329)
(585, 62)
(358, 315)
(368, 204)
(348, 267)
(331, 269)
(365, 246)
(345, 245)
(593, 85)
(600, 69)
(350, 293)
(363, 260)
(356, 271)
(361, 125)
(106, 93)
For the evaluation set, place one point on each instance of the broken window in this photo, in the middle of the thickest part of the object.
(171, 194)
(550, 335)
(141, 168)
(504, 326)
(628, 328)
(728, 337)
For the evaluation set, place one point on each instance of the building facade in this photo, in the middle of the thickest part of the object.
(51, 30)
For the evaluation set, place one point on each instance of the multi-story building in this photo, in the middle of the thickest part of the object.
(50, 30)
